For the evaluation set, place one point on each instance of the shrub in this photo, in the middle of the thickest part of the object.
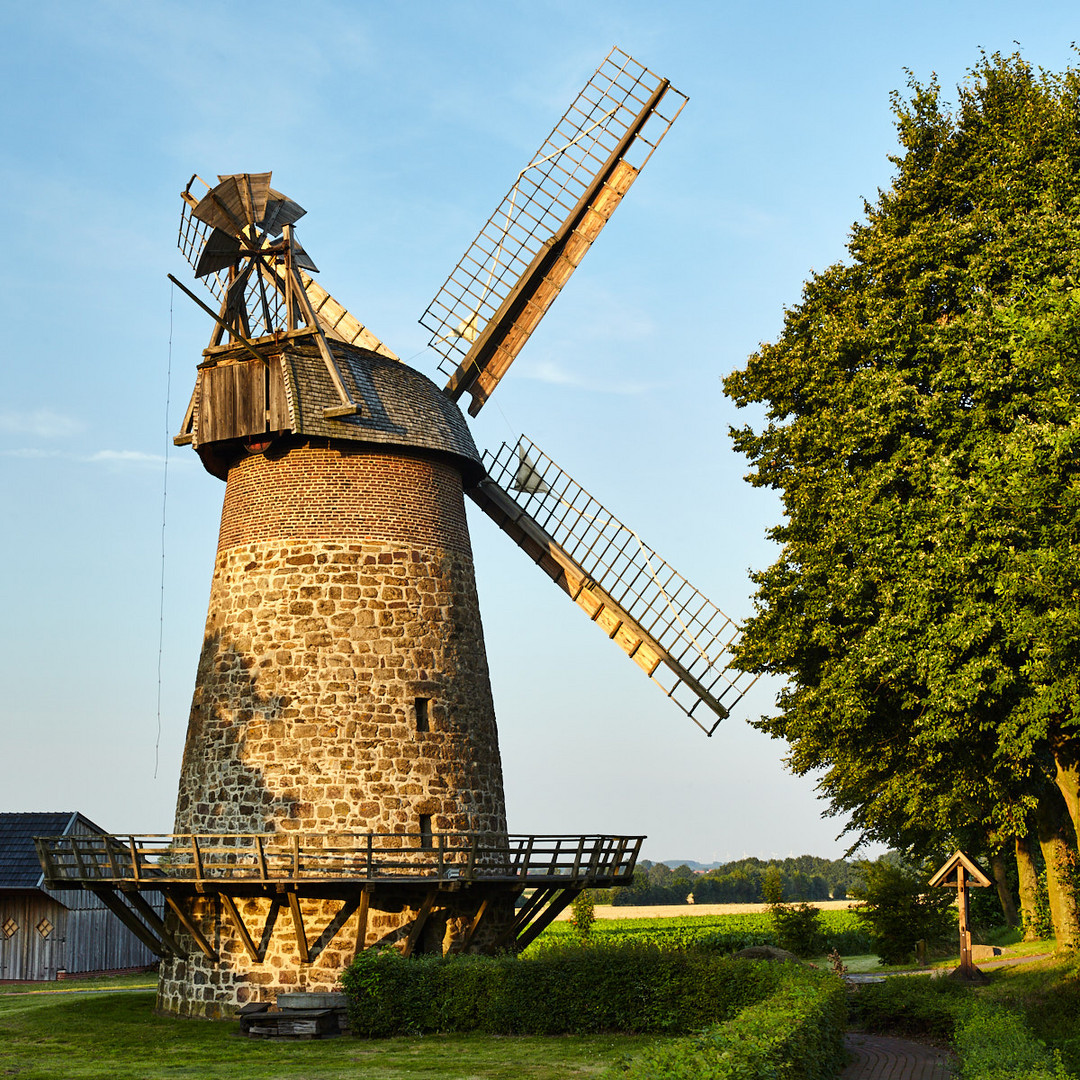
(909, 1005)
(900, 910)
(993, 1043)
(798, 928)
(797, 1033)
(582, 915)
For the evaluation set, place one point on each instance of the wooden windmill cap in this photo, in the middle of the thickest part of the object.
(397, 406)
(949, 874)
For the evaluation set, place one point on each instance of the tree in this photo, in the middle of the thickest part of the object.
(900, 910)
(923, 429)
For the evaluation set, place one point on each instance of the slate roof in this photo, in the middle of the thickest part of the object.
(19, 866)
(399, 405)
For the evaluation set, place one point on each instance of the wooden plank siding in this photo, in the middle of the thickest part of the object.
(87, 938)
(243, 398)
(26, 954)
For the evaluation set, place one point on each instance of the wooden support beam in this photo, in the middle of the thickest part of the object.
(418, 923)
(131, 921)
(361, 923)
(336, 925)
(298, 926)
(268, 928)
(471, 932)
(220, 321)
(545, 918)
(229, 904)
(260, 855)
(525, 914)
(45, 857)
(153, 920)
(348, 407)
(196, 934)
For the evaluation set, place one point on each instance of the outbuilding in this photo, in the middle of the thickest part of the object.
(44, 934)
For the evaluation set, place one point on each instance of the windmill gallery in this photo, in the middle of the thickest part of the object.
(341, 784)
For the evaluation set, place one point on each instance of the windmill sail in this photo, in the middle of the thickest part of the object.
(677, 636)
(555, 209)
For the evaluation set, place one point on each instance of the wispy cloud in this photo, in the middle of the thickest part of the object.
(44, 423)
(125, 457)
(548, 371)
(115, 458)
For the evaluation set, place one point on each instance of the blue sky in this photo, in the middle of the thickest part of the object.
(399, 126)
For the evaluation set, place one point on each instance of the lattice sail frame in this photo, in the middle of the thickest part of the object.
(573, 183)
(695, 636)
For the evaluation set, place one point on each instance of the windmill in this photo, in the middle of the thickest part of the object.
(342, 763)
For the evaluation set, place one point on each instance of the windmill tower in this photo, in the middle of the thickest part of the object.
(342, 763)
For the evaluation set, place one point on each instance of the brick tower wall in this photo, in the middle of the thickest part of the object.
(343, 594)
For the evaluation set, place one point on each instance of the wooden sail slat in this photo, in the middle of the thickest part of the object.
(616, 622)
(506, 335)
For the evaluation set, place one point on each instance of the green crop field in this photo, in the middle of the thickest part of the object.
(724, 932)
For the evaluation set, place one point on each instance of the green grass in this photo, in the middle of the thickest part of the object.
(1047, 992)
(114, 1036)
(146, 981)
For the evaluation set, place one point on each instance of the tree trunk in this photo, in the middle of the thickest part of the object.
(1067, 778)
(1029, 883)
(1058, 842)
(1001, 882)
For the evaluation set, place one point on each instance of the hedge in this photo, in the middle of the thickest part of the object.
(574, 990)
(795, 1034)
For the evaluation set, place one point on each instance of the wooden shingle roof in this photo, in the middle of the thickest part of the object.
(399, 405)
(19, 866)
(290, 389)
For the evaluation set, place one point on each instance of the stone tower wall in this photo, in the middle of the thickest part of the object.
(343, 683)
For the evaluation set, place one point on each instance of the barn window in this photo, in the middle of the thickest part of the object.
(44, 928)
(9, 927)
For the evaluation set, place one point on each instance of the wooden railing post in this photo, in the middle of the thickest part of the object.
(198, 859)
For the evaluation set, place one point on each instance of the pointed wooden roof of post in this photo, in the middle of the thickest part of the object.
(948, 874)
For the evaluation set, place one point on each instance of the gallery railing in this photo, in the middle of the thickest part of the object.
(151, 861)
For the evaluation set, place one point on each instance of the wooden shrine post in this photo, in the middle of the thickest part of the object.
(960, 871)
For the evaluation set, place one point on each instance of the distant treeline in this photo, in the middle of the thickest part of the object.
(742, 882)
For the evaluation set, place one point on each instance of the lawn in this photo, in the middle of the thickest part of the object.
(114, 1036)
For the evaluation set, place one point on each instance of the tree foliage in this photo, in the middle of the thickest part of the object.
(899, 910)
(923, 430)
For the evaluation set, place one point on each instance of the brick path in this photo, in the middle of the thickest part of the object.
(877, 1057)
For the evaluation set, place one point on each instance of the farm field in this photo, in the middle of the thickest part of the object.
(672, 911)
(724, 932)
